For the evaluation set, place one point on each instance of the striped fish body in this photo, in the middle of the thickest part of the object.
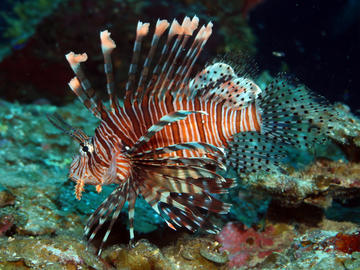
(169, 134)
(216, 125)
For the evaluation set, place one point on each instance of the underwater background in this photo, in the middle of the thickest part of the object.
(304, 218)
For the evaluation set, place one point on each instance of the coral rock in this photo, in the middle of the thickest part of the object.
(316, 185)
(248, 247)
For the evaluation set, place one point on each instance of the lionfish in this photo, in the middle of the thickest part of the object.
(169, 134)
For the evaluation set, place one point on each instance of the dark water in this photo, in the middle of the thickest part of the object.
(320, 41)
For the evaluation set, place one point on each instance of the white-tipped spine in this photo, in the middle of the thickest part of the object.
(142, 29)
(75, 60)
(208, 30)
(175, 29)
(107, 44)
(74, 84)
(187, 26)
(195, 22)
(161, 26)
(200, 34)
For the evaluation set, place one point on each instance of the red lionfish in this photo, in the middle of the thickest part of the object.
(165, 138)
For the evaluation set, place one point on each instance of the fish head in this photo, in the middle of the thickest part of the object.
(84, 170)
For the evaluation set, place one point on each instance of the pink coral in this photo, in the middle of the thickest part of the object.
(246, 246)
(6, 222)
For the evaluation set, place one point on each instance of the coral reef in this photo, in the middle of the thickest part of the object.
(346, 131)
(60, 252)
(184, 254)
(316, 185)
(249, 247)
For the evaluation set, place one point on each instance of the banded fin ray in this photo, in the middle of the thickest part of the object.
(173, 183)
(81, 86)
(193, 161)
(60, 123)
(112, 204)
(107, 46)
(142, 30)
(192, 146)
(159, 79)
(188, 219)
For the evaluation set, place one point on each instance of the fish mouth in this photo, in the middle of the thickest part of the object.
(88, 179)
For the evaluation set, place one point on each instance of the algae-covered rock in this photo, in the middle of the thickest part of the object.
(195, 253)
(61, 252)
(144, 256)
(345, 131)
(316, 185)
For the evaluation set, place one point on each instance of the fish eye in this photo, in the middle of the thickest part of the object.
(86, 147)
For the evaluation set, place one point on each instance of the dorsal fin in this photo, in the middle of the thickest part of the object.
(170, 74)
(176, 59)
(175, 29)
(156, 74)
(192, 55)
(141, 31)
(161, 27)
(220, 82)
(81, 86)
(107, 46)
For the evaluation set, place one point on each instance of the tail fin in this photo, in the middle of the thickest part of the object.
(290, 113)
